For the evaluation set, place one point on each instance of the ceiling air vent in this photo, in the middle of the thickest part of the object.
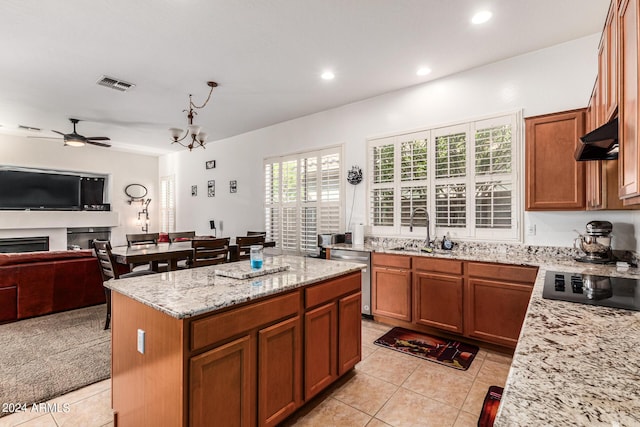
(116, 84)
(29, 128)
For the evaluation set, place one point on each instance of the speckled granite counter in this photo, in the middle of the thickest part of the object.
(188, 293)
(575, 364)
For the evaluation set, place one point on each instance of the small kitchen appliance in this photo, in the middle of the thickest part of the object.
(596, 243)
(614, 292)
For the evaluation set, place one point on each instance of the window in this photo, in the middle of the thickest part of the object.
(461, 176)
(303, 198)
(167, 204)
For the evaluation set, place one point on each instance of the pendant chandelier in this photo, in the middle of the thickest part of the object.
(197, 137)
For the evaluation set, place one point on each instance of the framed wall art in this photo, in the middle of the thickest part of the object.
(194, 190)
(233, 186)
(211, 188)
(211, 164)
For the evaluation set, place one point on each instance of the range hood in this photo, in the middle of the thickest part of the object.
(600, 143)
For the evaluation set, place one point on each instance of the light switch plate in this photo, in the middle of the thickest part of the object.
(141, 335)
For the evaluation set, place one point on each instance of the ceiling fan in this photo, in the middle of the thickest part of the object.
(74, 139)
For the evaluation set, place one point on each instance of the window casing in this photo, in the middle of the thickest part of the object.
(465, 176)
(303, 198)
(168, 204)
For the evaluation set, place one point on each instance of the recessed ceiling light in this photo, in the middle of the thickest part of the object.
(328, 75)
(423, 71)
(481, 17)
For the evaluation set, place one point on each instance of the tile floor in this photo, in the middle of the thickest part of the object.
(387, 388)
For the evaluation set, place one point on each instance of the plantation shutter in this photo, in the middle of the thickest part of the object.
(167, 204)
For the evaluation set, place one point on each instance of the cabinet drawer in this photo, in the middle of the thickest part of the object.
(331, 290)
(508, 273)
(215, 328)
(440, 265)
(387, 260)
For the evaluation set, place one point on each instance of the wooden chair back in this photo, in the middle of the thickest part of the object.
(210, 251)
(180, 236)
(143, 239)
(105, 258)
(256, 233)
(245, 242)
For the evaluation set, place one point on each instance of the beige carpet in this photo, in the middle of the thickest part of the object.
(48, 356)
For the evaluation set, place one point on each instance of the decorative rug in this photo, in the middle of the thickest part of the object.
(48, 356)
(446, 352)
(490, 406)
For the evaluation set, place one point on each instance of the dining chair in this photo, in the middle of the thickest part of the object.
(143, 239)
(181, 236)
(210, 251)
(109, 271)
(244, 244)
(256, 233)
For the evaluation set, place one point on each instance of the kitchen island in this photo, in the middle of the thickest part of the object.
(193, 347)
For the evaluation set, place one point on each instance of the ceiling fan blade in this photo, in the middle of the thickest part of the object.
(99, 144)
(45, 137)
(59, 133)
(99, 138)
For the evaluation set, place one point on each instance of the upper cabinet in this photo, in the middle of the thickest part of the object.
(554, 180)
(608, 68)
(629, 159)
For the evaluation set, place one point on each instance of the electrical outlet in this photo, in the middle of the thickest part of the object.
(531, 230)
(141, 335)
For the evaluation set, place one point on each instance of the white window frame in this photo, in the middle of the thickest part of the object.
(168, 204)
(299, 204)
(469, 231)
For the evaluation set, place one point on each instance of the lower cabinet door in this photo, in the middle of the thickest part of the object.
(222, 386)
(391, 293)
(279, 371)
(496, 310)
(438, 301)
(321, 352)
(349, 332)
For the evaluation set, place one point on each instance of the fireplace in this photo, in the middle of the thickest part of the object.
(24, 244)
(82, 238)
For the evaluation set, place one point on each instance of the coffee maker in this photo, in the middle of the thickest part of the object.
(596, 243)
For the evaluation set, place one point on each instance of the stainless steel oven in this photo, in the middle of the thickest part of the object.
(361, 257)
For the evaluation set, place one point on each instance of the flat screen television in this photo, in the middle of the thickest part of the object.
(35, 190)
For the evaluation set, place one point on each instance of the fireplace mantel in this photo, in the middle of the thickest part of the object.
(10, 220)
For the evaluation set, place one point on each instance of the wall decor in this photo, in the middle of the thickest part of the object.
(211, 164)
(194, 190)
(211, 188)
(233, 186)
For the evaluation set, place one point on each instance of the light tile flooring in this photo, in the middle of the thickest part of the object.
(386, 388)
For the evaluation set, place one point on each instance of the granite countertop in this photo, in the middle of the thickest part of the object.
(187, 293)
(574, 364)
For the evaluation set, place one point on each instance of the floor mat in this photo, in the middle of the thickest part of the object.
(450, 353)
(490, 406)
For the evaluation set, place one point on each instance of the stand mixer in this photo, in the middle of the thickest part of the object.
(596, 244)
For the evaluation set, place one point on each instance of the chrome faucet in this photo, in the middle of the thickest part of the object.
(428, 239)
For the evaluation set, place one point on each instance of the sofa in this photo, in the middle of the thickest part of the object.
(38, 283)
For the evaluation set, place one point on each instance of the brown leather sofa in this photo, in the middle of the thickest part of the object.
(38, 283)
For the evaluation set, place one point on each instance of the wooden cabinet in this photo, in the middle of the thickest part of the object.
(554, 179)
(243, 366)
(332, 332)
(279, 371)
(229, 364)
(438, 296)
(497, 297)
(391, 286)
(608, 68)
(629, 113)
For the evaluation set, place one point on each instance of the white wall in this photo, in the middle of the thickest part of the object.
(550, 80)
(122, 169)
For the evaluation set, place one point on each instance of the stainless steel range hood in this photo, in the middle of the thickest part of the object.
(600, 143)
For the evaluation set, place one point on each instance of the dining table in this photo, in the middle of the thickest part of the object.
(154, 254)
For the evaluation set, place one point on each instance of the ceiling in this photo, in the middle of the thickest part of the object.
(266, 55)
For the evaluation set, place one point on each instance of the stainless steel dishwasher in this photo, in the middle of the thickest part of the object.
(361, 257)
